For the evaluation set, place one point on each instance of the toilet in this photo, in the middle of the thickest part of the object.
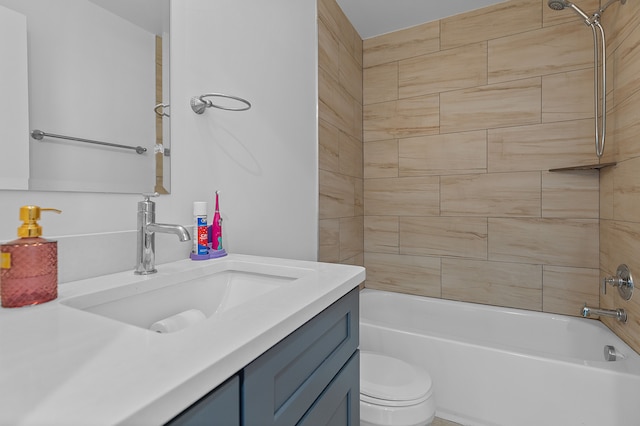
(393, 392)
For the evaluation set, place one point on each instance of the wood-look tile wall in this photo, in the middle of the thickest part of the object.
(462, 119)
(341, 206)
(620, 185)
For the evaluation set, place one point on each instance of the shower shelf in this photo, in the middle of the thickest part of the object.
(587, 167)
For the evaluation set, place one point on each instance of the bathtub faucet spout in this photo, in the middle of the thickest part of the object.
(618, 314)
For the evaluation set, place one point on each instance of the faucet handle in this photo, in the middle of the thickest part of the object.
(148, 195)
(147, 205)
(608, 280)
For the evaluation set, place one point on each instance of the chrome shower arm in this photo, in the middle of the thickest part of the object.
(587, 19)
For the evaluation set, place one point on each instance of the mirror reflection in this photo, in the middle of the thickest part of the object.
(98, 71)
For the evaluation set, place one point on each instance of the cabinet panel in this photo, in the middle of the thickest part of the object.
(220, 407)
(339, 404)
(281, 385)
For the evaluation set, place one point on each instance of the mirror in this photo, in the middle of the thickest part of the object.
(98, 70)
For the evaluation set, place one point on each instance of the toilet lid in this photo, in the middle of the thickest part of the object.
(391, 379)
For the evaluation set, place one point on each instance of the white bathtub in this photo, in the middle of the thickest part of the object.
(506, 367)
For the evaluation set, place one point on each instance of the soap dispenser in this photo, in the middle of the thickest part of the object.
(29, 265)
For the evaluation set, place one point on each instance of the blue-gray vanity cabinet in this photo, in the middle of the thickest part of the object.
(339, 403)
(315, 366)
(310, 378)
(220, 407)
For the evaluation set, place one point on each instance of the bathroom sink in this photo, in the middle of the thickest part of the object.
(213, 293)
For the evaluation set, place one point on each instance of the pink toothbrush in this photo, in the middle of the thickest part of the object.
(216, 228)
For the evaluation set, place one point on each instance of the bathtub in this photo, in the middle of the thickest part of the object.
(506, 367)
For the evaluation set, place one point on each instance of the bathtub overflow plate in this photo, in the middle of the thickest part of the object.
(609, 353)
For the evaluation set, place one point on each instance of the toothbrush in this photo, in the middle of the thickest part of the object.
(216, 227)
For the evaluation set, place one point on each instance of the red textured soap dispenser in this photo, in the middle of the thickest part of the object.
(29, 265)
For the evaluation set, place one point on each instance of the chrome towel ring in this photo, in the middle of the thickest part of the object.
(199, 103)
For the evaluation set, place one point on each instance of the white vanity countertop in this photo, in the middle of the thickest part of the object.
(60, 365)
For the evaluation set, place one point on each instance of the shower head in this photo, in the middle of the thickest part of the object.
(561, 4)
(557, 4)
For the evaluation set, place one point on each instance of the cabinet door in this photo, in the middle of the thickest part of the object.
(339, 404)
(281, 385)
(220, 407)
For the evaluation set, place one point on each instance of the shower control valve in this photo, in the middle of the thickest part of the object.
(623, 280)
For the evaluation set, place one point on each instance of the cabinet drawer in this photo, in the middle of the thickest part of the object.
(339, 404)
(282, 384)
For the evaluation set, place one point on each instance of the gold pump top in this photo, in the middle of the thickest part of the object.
(29, 215)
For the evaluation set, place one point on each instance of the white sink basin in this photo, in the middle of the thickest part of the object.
(212, 292)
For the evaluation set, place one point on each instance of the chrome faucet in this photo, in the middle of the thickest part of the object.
(147, 228)
(618, 314)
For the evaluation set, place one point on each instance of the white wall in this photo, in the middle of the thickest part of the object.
(264, 161)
